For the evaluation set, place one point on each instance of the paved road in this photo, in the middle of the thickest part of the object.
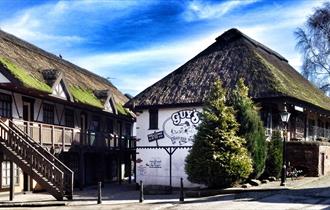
(312, 195)
(280, 201)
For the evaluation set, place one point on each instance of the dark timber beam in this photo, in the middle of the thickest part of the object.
(11, 192)
(81, 170)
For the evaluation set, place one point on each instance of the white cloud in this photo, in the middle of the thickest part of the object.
(47, 24)
(199, 10)
(136, 70)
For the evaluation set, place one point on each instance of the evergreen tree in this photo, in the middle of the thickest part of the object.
(251, 127)
(218, 157)
(274, 156)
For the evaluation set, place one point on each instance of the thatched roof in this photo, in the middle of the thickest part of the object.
(37, 69)
(233, 56)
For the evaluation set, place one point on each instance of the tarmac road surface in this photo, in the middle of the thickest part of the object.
(312, 195)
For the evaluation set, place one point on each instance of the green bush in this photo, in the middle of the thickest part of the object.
(218, 157)
(274, 156)
(251, 127)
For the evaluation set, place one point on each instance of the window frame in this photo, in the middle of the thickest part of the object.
(48, 113)
(5, 105)
(6, 175)
(153, 119)
(69, 123)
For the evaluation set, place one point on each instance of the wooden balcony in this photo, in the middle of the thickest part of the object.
(62, 137)
(318, 133)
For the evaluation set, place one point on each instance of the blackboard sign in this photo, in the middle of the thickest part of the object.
(155, 136)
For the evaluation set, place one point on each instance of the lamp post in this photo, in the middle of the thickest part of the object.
(285, 115)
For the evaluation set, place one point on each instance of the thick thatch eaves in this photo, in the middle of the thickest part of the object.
(37, 69)
(233, 56)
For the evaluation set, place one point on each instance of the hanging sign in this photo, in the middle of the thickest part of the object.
(155, 136)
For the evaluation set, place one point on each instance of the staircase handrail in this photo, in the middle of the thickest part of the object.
(5, 127)
(57, 162)
(16, 128)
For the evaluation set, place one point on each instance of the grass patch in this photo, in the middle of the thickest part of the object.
(85, 96)
(23, 76)
(123, 111)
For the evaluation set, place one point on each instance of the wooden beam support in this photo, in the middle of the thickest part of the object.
(12, 188)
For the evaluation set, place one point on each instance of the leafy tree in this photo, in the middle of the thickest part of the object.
(218, 157)
(274, 156)
(251, 127)
(314, 42)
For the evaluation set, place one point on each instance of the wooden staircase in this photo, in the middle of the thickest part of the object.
(36, 161)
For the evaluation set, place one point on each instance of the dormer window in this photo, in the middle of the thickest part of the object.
(59, 91)
(108, 106)
(55, 79)
(106, 97)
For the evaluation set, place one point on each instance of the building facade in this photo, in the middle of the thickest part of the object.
(54, 112)
(167, 110)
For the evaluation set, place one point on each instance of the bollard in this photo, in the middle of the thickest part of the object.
(141, 192)
(99, 193)
(181, 191)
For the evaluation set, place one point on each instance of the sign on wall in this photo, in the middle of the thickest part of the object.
(155, 163)
(180, 128)
(155, 136)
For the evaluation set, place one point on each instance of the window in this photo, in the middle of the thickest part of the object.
(69, 118)
(110, 125)
(95, 124)
(128, 129)
(153, 119)
(5, 105)
(311, 128)
(5, 169)
(48, 111)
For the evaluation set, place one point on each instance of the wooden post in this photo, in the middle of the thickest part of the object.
(52, 135)
(26, 182)
(11, 193)
(81, 170)
(119, 169)
(134, 170)
(170, 152)
(130, 167)
(28, 128)
(171, 168)
(72, 136)
(63, 139)
(40, 134)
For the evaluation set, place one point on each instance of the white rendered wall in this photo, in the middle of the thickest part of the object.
(153, 165)
(3, 79)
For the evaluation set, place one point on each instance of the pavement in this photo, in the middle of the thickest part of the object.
(303, 193)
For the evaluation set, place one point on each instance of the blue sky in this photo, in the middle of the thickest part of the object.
(136, 43)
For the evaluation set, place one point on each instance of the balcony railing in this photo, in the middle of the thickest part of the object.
(64, 137)
(318, 133)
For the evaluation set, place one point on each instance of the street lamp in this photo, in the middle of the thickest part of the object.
(285, 115)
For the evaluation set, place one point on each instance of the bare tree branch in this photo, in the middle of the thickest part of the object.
(314, 42)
